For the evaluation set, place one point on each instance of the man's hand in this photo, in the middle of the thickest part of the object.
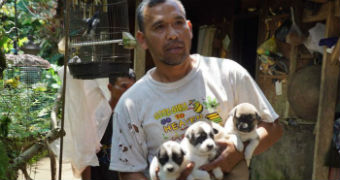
(228, 158)
(269, 134)
(185, 173)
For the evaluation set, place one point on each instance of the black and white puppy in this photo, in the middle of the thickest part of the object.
(241, 125)
(199, 147)
(169, 161)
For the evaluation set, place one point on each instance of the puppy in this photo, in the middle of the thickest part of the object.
(241, 126)
(169, 161)
(220, 133)
(199, 147)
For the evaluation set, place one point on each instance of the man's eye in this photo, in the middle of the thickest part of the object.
(179, 23)
(159, 27)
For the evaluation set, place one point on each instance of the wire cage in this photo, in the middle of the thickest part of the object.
(28, 75)
(97, 38)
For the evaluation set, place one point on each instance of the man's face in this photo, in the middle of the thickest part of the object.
(167, 33)
(120, 86)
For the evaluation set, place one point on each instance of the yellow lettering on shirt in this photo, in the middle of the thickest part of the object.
(167, 128)
(174, 126)
(169, 111)
(181, 124)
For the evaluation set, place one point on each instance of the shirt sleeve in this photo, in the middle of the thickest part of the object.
(128, 149)
(247, 90)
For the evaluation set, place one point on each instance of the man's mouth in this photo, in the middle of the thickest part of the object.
(176, 47)
(175, 50)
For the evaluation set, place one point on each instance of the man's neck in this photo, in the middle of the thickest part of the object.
(166, 73)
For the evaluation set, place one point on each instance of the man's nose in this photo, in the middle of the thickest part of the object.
(172, 34)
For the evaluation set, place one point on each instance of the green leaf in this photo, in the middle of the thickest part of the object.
(4, 40)
(22, 41)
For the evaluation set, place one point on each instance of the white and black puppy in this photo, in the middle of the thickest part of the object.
(199, 147)
(241, 126)
(169, 161)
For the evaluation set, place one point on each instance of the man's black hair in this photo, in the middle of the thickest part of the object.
(130, 75)
(149, 3)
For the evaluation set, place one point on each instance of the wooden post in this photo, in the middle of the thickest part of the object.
(139, 55)
(261, 36)
(294, 49)
(327, 101)
(292, 68)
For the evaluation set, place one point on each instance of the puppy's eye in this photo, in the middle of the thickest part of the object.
(177, 158)
(202, 137)
(211, 135)
(163, 158)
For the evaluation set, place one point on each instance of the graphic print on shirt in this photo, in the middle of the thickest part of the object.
(211, 105)
(177, 118)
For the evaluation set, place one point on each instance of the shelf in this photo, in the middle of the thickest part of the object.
(273, 76)
(320, 16)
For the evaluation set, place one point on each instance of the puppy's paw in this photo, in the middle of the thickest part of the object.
(237, 142)
(239, 146)
(218, 174)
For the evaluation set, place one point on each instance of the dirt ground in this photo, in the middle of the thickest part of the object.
(41, 171)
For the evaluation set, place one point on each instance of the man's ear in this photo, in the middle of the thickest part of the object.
(141, 40)
(190, 27)
(110, 87)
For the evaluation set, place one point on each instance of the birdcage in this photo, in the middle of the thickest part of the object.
(99, 39)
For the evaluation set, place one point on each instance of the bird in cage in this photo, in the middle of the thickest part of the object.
(92, 24)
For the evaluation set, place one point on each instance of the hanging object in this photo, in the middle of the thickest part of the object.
(304, 90)
(206, 36)
(226, 42)
(269, 46)
(316, 33)
(99, 39)
(283, 30)
(294, 36)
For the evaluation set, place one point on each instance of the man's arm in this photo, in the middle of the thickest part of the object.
(269, 134)
(132, 176)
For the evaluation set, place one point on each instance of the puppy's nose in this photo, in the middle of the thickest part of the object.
(170, 169)
(210, 146)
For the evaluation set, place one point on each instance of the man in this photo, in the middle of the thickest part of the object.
(179, 91)
(117, 86)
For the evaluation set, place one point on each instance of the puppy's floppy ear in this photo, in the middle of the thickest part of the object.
(159, 152)
(182, 152)
(234, 117)
(188, 134)
(191, 137)
(215, 131)
(258, 117)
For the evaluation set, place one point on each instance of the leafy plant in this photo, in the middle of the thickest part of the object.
(35, 22)
(25, 111)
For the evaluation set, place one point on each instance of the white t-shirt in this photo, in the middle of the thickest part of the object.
(151, 112)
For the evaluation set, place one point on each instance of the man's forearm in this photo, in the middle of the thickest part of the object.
(269, 133)
(132, 176)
